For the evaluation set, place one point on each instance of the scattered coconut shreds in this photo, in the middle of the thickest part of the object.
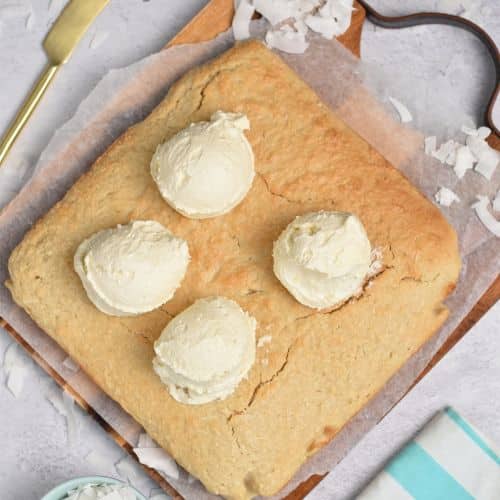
(340, 11)
(485, 216)
(158, 459)
(483, 132)
(276, 11)
(70, 365)
(265, 339)
(94, 491)
(496, 202)
(331, 18)
(445, 150)
(430, 144)
(241, 20)
(404, 113)
(487, 163)
(464, 160)
(14, 369)
(477, 145)
(287, 41)
(325, 26)
(98, 39)
(446, 197)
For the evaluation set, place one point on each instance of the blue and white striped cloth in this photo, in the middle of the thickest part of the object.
(448, 460)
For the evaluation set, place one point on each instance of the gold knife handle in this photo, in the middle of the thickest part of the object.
(27, 109)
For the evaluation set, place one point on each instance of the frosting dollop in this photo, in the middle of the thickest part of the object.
(132, 268)
(323, 258)
(206, 350)
(206, 169)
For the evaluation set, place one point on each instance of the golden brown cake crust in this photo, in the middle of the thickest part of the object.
(319, 369)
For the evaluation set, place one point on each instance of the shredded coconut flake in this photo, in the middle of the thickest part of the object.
(15, 370)
(496, 202)
(331, 18)
(98, 39)
(487, 163)
(464, 160)
(485, 216)
(328, 27)
(483, 132)
(30, 21)
(158, 459)
(404, 113)
(241, 20)
(444, 151)
(287, 41)
(265, 339)
(276, 11)
(446, 197)
(430, 144)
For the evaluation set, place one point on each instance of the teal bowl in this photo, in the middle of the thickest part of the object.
(60, 492)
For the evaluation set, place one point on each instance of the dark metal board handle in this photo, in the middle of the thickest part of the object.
(396, 22)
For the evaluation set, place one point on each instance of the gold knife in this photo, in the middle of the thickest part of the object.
(64, 36)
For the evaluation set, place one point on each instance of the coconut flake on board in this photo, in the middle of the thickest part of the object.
(150, 454)
(481, 206)
(446, 197)
(462, 157)
(241, 20)
(404, 113)
(275, 11)
(158, 459)
(331, 18)
(430, 144)
(464, 160)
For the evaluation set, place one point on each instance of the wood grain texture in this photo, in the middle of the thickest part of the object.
(212, 20)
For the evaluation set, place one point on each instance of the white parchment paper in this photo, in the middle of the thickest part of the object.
(125, 96)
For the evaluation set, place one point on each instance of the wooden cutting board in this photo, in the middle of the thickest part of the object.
(212, 20)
